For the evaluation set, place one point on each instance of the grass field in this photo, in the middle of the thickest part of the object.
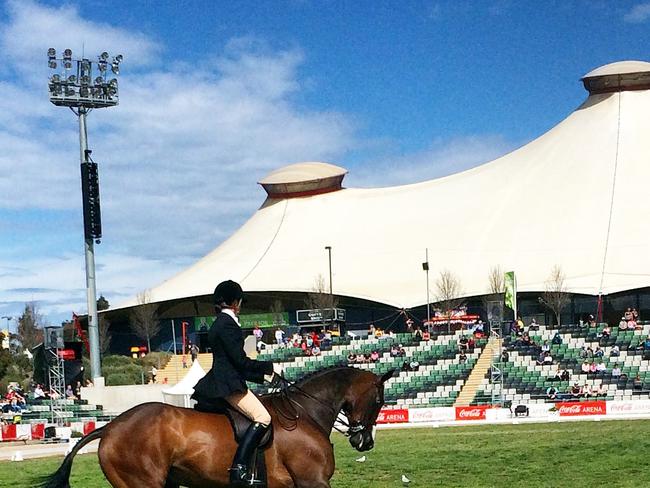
(575, 454)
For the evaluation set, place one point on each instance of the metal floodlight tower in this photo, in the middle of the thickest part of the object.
(73, 84)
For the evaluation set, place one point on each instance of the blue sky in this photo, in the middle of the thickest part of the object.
(216, 94)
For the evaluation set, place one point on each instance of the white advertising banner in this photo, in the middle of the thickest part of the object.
(431, 414)
(628, 407)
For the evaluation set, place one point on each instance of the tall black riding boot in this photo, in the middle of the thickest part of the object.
(241, 472)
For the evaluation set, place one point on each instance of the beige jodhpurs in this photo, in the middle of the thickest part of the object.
(248, 404)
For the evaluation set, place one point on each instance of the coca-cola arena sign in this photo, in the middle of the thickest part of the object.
(574, 409)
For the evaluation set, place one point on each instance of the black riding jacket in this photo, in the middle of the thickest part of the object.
(231, 368)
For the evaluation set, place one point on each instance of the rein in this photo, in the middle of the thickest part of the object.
(293, 416)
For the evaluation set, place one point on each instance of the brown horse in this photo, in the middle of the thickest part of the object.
(160, 446)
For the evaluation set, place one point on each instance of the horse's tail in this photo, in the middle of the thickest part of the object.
(61, 478)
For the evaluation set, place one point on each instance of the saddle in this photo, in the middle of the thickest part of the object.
(238, 421)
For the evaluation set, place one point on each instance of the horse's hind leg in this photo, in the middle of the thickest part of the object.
(122, 472)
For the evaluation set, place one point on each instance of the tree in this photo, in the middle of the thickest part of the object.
(102, 303)
(30, 327)
(555, 296)
(277, 311)
(319, 298)
(144, 318)
(105, 335)
(448, 290)
(496, 287)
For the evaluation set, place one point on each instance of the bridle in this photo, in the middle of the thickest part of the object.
(291, 417)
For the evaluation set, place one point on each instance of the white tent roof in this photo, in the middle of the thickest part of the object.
(575, 197)
(186, 385)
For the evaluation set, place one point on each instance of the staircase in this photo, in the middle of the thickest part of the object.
(174, 371)
(478, 373)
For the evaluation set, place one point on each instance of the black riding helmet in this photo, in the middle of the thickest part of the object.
(227, 292)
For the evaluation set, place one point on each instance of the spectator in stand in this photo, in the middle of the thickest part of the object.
(540, 359)
(599, 353)
(426, 336)
(14, 407)
(279, 336)
(89, 384)
(462, 358)
(400, 351)
(462, 343)
(366, 358)
(315, 351)
(628, 314)
(374, 356)
(592, 321)
(606, 333)
(371, 330)
(551, 393)
(77, 389)
(13, 393)
(548, 359)
(635, 315)
(616, 371)
(479, 330)
(309, 341)
(406, 366)
(69, 393)
(575, 390)
(590, 352)
(194, 352)
(471, 343)
(638, 384)
(352, 358)
(414, 365)
(566, 376)
(394, 351)
(526, 340)
(39, 394)
(360, 359)
(327, 339)
(615, 351)
(585, 391)
(520, 324)
(557, 338)
(258, 333)
(585, 367)
(558, 375)
(622, 324)
(505, 356)
(593, 367)
(417, 334)
(601, 368)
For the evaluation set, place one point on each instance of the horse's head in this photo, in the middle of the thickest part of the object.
(363, 401)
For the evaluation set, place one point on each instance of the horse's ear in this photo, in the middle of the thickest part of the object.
(386, 376)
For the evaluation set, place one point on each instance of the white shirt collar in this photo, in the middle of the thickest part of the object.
(228, 311)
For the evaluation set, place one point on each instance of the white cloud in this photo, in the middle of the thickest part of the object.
(442, 158)
(179, 157)
(638, 14)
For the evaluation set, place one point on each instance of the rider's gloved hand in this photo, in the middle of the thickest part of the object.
(277, 376)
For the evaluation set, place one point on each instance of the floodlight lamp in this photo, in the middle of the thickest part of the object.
(85, 80)
(69, 91)
(83, 92)
(67, 54)
(103, 56)
(119, 58)
(115, 68)
(51, 53)
(67, 64)
(55, 78)
(52, 63)
(99, 80)
(102, 65)
(72, 79)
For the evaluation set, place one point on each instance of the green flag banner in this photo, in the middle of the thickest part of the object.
(511, 290)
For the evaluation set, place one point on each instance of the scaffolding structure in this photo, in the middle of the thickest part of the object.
(56, 379)
(496, 373)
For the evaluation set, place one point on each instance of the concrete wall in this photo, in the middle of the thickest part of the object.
(118, 399)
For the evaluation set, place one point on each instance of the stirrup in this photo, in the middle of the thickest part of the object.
(240, 476)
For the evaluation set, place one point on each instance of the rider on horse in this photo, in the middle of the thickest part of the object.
(226, 381)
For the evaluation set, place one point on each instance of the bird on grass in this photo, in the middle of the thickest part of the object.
(362, 459)
(405, 480)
